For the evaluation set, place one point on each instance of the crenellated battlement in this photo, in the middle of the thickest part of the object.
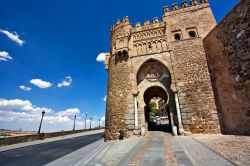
(129, 38)
(183, 5)
(156, 22)
(119, 23)
(138, 26)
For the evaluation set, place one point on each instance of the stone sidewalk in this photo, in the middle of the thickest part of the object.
(164, 149)
(156, 149)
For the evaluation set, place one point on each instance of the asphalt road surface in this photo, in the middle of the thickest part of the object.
(45, 153)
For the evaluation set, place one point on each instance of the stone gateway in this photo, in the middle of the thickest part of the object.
(164, 59)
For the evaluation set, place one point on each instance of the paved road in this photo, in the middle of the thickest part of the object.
(45, 153)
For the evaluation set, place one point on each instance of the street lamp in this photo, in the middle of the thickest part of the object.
(39, 130)
(99, 122)
(74, 127)
(90, 122)
(85, 120)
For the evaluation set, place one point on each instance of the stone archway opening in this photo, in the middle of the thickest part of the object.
(156, 111)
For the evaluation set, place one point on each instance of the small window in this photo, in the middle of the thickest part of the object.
(124, 52)
(192, 34)
(177, 37)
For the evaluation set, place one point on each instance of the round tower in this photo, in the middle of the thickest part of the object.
(119, 84)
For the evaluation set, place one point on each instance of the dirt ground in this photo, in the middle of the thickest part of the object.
(9, 133)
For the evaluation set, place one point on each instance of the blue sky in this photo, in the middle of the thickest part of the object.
(59, 41)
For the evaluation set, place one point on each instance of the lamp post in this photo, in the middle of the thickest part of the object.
(99, 122)
(85, 120)
(90, 122)
(39, 130)
(74, 127)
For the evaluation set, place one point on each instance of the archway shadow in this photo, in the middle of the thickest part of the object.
(163, 125)
(160, 127)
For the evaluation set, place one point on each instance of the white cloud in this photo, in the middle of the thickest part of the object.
(65, 83)
(22, 87)
(5, 56)
(13, 36)
(56, 119)
(40, 83)
(101, 57)
(16, 114)
(15, 104)
(105, 98)
(69, 112)
(21, 105)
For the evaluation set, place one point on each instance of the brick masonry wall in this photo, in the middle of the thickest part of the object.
(228, 54)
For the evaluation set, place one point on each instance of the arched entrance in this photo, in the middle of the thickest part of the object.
(157, 112)
(154, 89)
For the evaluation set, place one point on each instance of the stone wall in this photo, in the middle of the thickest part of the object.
(194, 88)
(119, 89)
(228, 54)
(190, 68)
(33, 137)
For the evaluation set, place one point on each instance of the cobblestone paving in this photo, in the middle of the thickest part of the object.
(233, 148)
(170, 159)
(163, 149)
(154, 152)
(117, 151)
(139, 155)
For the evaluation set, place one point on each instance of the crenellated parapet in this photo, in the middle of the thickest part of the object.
(150, 36)
(120, 34)
(145, 38)
(184, 5)
(119, 23)
(155, 23)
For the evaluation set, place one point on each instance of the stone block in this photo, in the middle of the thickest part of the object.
(184, 115)
(128, 116)
(131, 127)
(189, 115)
(186, 110)
(182, 94)
(180, 84)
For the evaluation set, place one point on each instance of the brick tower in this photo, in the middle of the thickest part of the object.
(163, 59)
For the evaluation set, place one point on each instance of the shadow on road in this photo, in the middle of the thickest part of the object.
(42, 154)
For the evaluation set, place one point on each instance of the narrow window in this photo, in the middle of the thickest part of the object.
(192, 34)
(177, 37)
